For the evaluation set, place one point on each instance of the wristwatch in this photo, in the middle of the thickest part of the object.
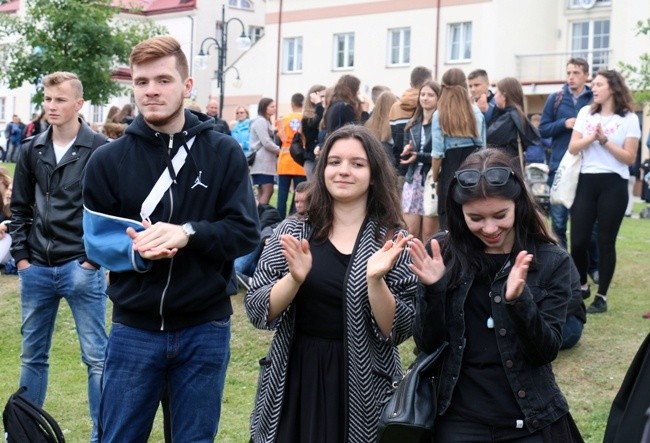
(188, 229)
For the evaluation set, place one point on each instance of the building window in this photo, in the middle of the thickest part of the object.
(240, 4)
(344, 51)
(399, 47)
(98, 113)
(255, 33)
(586, 4)
(459, 38)
(292, 54)
(590, 40)
(3, 109)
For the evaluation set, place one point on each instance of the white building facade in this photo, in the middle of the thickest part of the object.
(298, 43)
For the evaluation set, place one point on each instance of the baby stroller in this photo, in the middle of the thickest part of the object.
(536, 176)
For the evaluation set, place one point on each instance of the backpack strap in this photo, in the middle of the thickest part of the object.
(45, 421)
(559, 95)
(41, 421)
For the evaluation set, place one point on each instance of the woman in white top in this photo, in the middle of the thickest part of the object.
(607, 134)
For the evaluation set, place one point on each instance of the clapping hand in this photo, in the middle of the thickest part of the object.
(517, 276)
(298, 257)
(429, 269)
(384, 259)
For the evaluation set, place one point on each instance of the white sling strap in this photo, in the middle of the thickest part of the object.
(164, 182)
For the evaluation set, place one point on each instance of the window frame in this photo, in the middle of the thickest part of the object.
(576, 4)
(249, 6)
(347, 52)
(292, 51)
(464, 42)
(255, 33)
(97, 113)
(591, 52)
(402, 49)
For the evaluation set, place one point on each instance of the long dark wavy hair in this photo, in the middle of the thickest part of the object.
(383, 204)
(346, 90)
(623, 102)
(462, 249)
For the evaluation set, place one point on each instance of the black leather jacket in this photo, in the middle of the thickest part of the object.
(423, 152)
(528, 332)
(46, 202)
(504, 129)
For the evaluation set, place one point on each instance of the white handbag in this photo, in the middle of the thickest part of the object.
(430, 196)
(565, 183)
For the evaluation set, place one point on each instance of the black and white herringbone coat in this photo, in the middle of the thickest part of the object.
(367, 352)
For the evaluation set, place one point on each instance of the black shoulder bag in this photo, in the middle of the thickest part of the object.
(297, 149)
(410, 414)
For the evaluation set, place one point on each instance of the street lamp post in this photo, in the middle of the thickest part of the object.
(243, 42)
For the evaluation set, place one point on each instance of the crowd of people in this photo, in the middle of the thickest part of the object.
(491, 259)
(413, 220)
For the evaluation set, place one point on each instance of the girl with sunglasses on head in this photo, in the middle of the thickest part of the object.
(496, 286)
(607, 134)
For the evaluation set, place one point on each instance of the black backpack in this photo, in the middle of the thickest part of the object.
(26, 422)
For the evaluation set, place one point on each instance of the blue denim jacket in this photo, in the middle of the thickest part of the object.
(528, 332)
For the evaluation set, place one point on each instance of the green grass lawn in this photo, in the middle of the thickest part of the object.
(589, 375)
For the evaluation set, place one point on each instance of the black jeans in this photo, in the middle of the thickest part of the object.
(603, 198)
(451, 428)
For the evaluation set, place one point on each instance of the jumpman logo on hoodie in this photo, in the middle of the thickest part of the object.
(198, 181)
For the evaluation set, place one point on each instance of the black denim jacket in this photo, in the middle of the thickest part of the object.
(528, 332)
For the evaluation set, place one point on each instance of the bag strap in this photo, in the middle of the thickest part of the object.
(164, 182)
(45, 421)
(521, 152)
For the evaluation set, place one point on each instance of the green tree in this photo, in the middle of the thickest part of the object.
(80, 36)
(638, 74)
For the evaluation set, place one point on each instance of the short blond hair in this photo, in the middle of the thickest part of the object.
(59, 77)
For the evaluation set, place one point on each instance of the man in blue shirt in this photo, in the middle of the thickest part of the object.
(558, 118)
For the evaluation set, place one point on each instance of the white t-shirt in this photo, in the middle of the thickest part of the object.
(596, 159)
(59, 151)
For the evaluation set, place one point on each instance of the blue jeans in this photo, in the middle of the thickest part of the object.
(571, 332)
(559, 219)
(41, 290)
(284, 183)
(248, 263)
(191, 363)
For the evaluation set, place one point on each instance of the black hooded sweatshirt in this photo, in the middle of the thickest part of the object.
(212, 192)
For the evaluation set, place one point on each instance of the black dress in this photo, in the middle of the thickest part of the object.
(313, 407)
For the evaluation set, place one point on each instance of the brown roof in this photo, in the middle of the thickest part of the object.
(10, 6)
(153, 7)
(147, 7)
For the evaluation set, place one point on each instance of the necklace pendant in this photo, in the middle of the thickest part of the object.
(490, 322)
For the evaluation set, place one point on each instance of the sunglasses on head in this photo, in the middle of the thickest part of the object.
(496, 176)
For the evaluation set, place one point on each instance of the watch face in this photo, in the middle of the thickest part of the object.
(188, 229)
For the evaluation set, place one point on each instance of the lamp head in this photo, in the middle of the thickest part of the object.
(243, 42)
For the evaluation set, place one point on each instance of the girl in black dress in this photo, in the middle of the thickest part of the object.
(336, 288)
